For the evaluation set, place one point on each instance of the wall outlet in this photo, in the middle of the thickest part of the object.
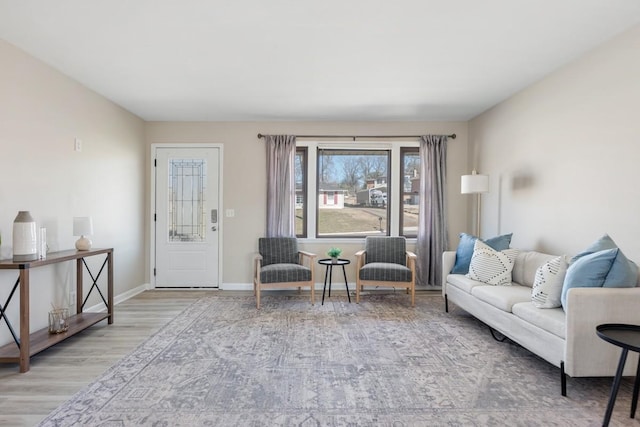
(77, 144)
(72, 298)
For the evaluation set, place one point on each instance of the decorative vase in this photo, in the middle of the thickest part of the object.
(25, 238)
(58, 320)
(334, 260)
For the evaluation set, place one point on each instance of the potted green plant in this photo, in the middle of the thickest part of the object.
(334, 253)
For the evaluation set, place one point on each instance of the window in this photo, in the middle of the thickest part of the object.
(301, 191)
(348, 189)
(352, 192)
(409, 206)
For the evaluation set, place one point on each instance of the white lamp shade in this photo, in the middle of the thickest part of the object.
(475, 183)
(82, 226)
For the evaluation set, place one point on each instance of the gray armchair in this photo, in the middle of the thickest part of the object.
(279, 264)
(386, 262)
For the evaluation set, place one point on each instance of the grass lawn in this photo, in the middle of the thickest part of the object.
(356, 220)
(352, 220)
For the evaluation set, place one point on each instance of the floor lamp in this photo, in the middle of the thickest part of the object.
(475, 184)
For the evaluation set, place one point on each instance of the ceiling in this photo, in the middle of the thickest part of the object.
(317, 60)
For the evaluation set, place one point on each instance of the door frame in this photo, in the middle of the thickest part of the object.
(152, 207)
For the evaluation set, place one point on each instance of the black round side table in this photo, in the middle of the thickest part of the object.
(628, 338)
(330, 263)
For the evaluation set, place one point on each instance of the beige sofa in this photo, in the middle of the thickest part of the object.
(566, 340)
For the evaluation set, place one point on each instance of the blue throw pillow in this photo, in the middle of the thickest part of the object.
(623, 273)
(588, 271)
(605, 242)
(465, 250)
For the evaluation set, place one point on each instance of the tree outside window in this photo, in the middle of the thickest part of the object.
(301, 191)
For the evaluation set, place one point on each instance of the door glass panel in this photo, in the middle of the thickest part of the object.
(187, 216)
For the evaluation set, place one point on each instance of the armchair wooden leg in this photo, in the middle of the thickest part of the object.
(312, 294)
(258, 298)
(413, 296)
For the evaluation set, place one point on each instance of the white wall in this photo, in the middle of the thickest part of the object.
(41, 112)
(563, 155)
(245, 174)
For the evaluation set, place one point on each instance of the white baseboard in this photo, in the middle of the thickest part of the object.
(249, 286)
(334, 286)
(117, 299)
(236, 287)
(339, 286)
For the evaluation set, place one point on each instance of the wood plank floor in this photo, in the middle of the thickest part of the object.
(60, 371)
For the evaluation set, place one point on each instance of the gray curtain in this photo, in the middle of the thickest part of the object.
(432, 221)
(281, 186)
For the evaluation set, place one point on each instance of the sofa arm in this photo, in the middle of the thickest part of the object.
(448, 260)
(587, 354)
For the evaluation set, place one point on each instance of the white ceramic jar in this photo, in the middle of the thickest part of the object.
(25, 237)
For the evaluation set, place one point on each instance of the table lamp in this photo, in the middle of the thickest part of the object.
(82, 226)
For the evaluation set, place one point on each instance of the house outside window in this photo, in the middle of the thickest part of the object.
(410, 197)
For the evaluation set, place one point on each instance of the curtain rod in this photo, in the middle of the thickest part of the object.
(354, 137)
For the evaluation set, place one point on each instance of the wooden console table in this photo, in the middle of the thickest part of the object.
(26, 344)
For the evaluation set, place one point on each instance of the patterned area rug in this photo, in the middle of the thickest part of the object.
(379, 363)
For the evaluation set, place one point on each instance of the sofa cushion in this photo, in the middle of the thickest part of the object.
(552, 320)
(527, 262)
(491, 266)
(385, 272)
(502, 297)
(462, 282)
(547, 285)
(464, 252)
(279, 273)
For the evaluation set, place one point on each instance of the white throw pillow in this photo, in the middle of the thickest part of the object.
(547, 285)
(490, 266)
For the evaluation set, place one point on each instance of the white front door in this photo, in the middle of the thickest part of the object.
(187, 217)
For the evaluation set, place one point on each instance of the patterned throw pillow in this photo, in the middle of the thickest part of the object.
(547, 285)
(490, 266)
